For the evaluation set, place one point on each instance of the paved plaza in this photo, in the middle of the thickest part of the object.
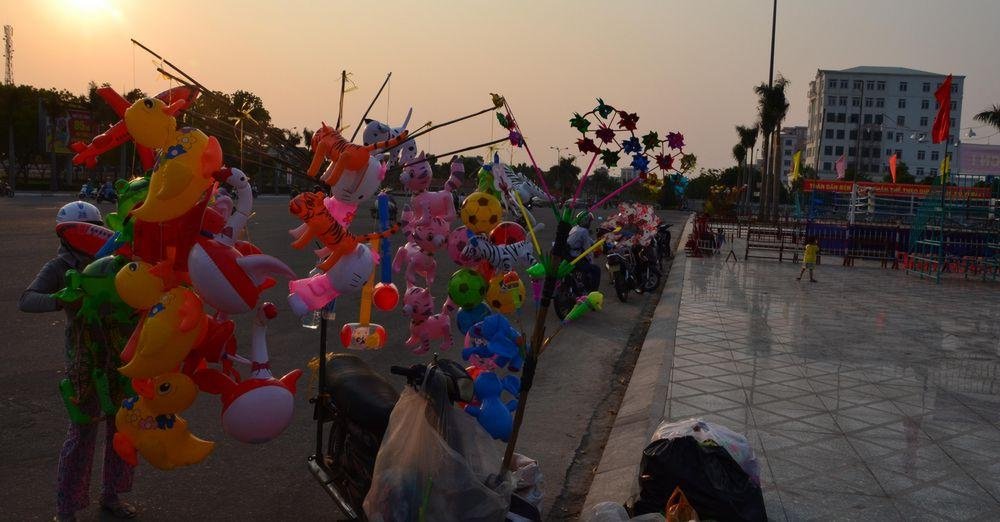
(869, 395)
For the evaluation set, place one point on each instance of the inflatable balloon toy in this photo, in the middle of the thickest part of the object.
(426, 326)
(130, 194)
(173, 327)
(347, 276)
(89, 239)
(344, 156)
(95, 286)
(376, 131)
(502, 342)
(118, 134)
(506, 293)
(507, 233)
(385, 295)
(491, 412)
(501, 258)
(456, 175)
(364, 335)
(481, 212)
(309, 207)
(465, 318)
(148, 424)
(259, 408)
(458, 239)
(343, 212)
(429, 233)
(418, 263)
(184, 169)
(467, 288)
(416, 175)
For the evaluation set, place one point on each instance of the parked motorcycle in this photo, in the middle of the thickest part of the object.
(355, 402)
(647, 267)
(663, 240)
(87, 191)
(620, 263)
(569, 289)
(107, 193)
(6, 189)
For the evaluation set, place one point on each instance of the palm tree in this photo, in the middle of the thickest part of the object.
(748, 138)
(990, 116)
(772, 106)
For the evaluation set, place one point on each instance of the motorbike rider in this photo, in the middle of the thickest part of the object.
(580, 240)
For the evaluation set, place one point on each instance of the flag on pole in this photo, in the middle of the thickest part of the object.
(942, 122)
(841, 167)
(892, 167)
(945, 168)
(796, 166)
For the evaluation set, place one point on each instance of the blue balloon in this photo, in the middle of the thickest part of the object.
(467, 318)
(492, 413)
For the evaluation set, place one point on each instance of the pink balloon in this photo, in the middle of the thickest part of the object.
(457, 241)
(342, 212)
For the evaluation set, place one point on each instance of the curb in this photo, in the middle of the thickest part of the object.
(641, 409)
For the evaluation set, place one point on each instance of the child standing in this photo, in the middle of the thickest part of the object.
(77, 455)
(809, 258)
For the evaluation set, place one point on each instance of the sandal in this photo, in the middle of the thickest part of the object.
(120, 509)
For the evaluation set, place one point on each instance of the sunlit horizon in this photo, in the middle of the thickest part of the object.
(682, 66)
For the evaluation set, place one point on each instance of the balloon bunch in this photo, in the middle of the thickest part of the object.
(172, 255)
(634, 225)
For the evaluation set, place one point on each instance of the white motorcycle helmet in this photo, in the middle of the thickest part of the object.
(79, 211)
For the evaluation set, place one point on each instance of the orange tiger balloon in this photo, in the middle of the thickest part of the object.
(327, 143)
(309, 207)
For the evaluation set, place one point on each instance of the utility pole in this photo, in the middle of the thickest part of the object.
(8, 80)
(766, 182)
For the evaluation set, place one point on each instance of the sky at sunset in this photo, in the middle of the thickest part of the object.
(685, 66)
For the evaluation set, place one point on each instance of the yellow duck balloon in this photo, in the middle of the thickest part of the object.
(170, 329)
(186, 162)
(138, 285)
(148, 425)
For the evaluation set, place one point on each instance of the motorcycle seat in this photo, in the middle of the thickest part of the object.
(362, 395)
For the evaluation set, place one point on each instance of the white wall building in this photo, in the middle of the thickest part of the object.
(792, 140)
(868, 113)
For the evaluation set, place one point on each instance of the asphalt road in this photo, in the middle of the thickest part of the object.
(269, 481)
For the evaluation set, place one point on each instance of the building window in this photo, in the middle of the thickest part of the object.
(899, 137)
(954, 105)
(920, 171)
(841, 117)
(843, 101)
(880, 85)
(854, 135)
(826, 165)
(829, 134)
(877, 136)
(901, 121)
(831, 117)
(855, 102)
(880, 102)
(843, 84)
(952, 122)
(888, 152)
(868, 118)
(838, 150)
(902, 103)
(851, 151)
(926, 87)
(937, 105)
(832, 84)
(854, 117)
(840, 134)
(869, 102)
(788, 163)
(858, 84)
(925, 104)
(954, 87)
(878, 119)
(831, 100)
(828, 150)
(899, 154)
(788, 143)
(864, 152)
(933, 172)
(921, 155)
(934, 155)
(902, 86)
(875, 152)
(923, 121)
(870, 85)
(888, 136)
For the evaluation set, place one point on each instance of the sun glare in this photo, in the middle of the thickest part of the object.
(95, 9)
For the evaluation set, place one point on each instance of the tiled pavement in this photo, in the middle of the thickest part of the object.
(867, 396)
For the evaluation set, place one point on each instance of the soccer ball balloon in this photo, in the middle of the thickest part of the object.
(481, 212)
(466, 288)
(506, 293)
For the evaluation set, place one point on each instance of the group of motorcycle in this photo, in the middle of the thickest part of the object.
(105, 192)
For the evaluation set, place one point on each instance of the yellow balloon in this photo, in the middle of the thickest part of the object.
(171, 328)
(139, 288)
(148, 425)
(505, 293)
(187, 159)
(481, 212)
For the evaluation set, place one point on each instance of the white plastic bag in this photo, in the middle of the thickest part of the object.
(734, 443)
(421, 475)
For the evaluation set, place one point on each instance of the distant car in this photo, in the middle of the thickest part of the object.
(393, 209)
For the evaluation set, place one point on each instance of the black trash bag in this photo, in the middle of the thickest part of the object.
(715, 485)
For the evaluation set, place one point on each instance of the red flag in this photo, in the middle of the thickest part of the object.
(841, 167)
(942, 122)
(892, 167)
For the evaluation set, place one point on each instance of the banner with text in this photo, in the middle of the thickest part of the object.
(979, 159)
(895, 189)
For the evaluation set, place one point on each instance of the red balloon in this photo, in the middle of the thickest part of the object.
(507, 232)
(385, 296)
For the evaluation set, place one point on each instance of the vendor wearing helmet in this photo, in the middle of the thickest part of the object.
(579, 240)
(77, 455)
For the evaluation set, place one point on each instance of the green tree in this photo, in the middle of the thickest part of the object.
(990, 116)
(851, 174)
(772, 106)
(699, 185)
(902, 174)
(563, 177)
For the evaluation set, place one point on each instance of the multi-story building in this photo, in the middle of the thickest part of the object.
(867, 114)
(792, 140)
